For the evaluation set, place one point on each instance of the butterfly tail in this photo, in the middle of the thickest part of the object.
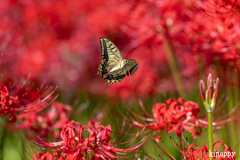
(128, 72)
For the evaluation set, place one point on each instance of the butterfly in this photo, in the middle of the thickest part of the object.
(113, 68)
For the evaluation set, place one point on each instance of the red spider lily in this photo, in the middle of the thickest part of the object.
(76, 145)
(223, 8)
(17, 100)
(49, 122)
(173, 116)
(44, 123)
(192, 152)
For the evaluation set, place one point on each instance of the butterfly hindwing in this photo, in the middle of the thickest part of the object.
(114, 79)
(132, 66)
(102, 69)
(118, 75)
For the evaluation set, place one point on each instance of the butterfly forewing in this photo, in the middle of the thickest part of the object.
(108, 49)
(111, 56)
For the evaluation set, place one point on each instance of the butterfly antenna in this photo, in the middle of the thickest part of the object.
(95, 76)
(132, 56)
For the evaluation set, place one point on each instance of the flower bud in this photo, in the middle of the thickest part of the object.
(209, 96)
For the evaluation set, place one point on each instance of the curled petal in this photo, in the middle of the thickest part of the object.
(12, 118)
(216, 90)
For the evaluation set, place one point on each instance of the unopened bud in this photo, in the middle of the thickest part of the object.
(216, 90)
(202, 90)
(209, 96)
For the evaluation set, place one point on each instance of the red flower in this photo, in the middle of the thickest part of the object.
(44, 123)
(16, 99)
(192, 152)
(76, 145)
(172, 116)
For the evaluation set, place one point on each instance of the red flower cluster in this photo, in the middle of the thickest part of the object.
(173, 116)
(192, 152)
(45, 123)
(79, 142)
(176, 116)
(16, 99)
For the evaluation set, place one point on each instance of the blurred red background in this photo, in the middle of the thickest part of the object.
(57, 41)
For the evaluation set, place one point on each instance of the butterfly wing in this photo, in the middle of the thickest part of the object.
(132, 66)
(109, 49)
(118, 75)
(111, 56)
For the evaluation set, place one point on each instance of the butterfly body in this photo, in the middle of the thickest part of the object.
(119, 66)
(113, 68)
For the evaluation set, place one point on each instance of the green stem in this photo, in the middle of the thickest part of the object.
(181, 144)
(2, 140)
(210, 134)
(170, 52)
(231, 93)
(23, 155)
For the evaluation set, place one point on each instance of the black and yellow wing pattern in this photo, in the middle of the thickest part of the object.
(117, 76)
(112, 58)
